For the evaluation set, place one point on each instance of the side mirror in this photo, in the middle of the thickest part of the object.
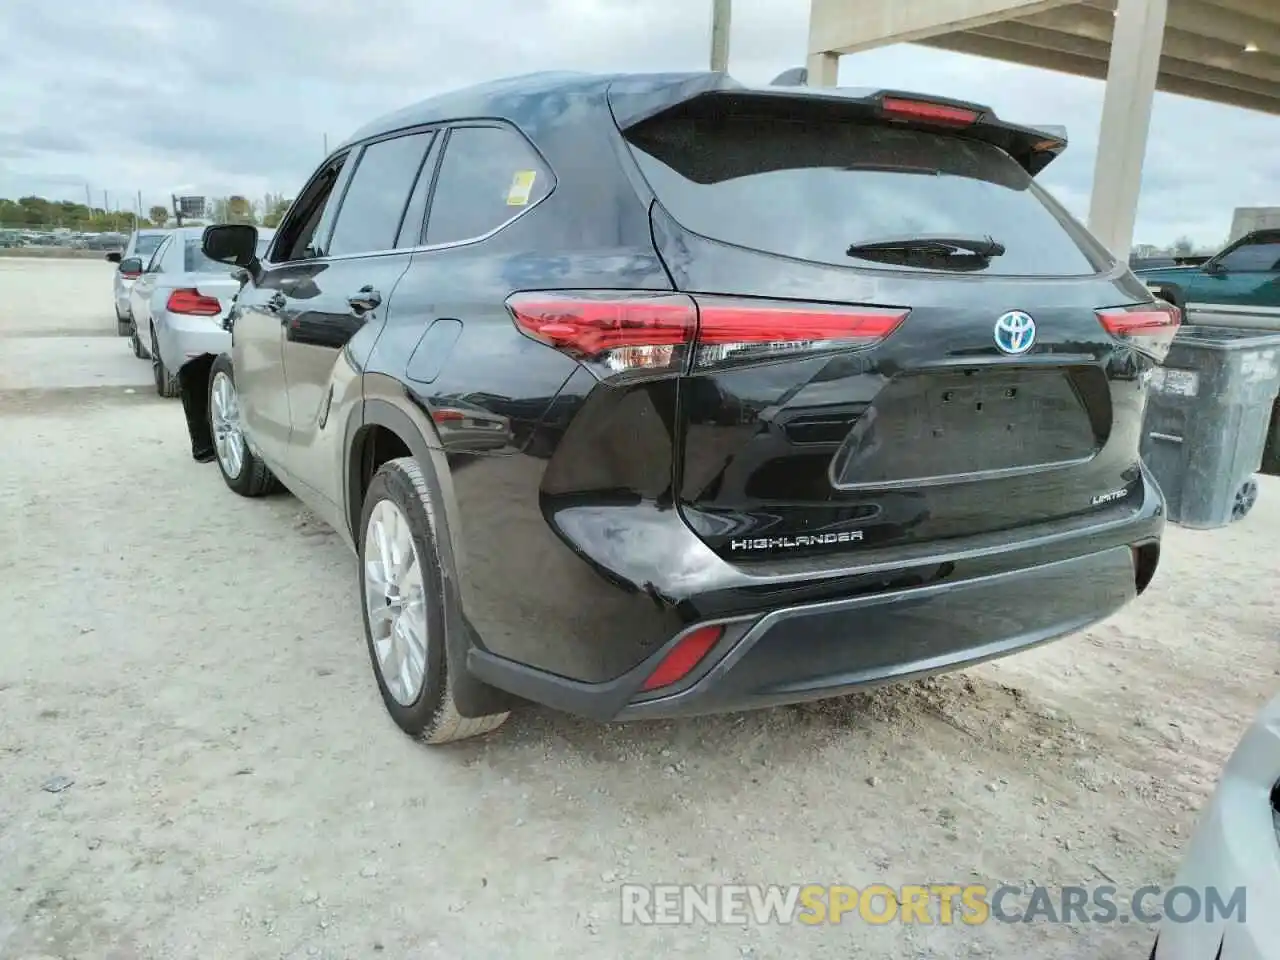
(131, 266)
(114, 256)
(235, 244)
(1214, 268)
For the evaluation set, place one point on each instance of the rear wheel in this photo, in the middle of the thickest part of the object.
(243, 471)
(139, 350)
(166, 383)
(402, 594)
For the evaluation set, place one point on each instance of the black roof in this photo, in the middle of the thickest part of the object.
(538, 101)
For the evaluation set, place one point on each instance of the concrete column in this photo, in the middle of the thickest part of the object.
(721, 14)
(1126, 120)
(824, 69)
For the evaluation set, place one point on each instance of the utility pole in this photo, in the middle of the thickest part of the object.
(721, 11)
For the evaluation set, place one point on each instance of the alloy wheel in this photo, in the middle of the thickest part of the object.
(228, 438)
(395, 602)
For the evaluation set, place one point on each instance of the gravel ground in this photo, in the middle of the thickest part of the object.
(195, 664)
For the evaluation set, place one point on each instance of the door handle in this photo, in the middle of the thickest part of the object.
(365, 300)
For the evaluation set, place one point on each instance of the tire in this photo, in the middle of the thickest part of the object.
(139, 351)
(427, 711)
(241, 469)
(124, 325)
(166, 383)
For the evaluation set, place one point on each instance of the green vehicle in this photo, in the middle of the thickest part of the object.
(1240, 287)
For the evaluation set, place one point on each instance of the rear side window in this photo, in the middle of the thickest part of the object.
(369, 217)
(488, 176)
(148, 244)
(810, 189)
(1260, 256)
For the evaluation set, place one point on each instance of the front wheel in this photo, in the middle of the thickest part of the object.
(124, 325)
(402, 592)
(243, 471)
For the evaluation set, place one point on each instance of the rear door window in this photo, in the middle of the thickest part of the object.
(369, 217)
(488, 177)
(1260, 256)
(810, 189)
(148, 244)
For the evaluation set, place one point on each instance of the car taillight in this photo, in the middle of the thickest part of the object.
(618, 333)
(940, 113)
(1147, 327)
(194, 303)
(447, 415)
(131, 274)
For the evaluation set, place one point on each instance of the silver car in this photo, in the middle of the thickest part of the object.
(1236, 847)
(142, 244)
(178, 305)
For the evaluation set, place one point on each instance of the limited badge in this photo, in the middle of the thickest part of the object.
(521, 188)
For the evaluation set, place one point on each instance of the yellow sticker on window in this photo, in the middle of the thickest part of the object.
(521, 188)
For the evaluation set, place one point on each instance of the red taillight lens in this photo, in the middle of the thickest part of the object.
(447, 415)
(940, 113)
(744, 330)
(131, 274)
(683, 657)
(1148, 327)
(620, 332)
(193, 303)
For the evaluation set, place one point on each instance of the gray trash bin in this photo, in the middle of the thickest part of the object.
(1208, 412)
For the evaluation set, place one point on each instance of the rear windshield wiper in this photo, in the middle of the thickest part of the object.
(942, 246)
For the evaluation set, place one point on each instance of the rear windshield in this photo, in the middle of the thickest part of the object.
(810, 189)
(196, 262)
(148, 244)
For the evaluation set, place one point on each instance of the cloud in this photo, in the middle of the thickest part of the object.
(240, 96)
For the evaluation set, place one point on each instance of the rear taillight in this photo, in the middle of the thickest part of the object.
(447, 415)
(131, 274)
(618, 333)
(1147, 327)
(922, 110)
(193, 303)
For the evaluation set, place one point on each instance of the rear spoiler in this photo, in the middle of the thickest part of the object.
(1034, 148)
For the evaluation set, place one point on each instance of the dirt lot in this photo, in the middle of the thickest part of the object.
(195, 664)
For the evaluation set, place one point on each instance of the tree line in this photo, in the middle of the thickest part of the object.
(33, 212)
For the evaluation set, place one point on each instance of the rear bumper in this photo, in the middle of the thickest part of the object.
(183, 338)
(811, 651)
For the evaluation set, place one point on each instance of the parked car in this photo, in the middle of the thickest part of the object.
(806, 390)
(1236, 846)
(136, 254)
(178, 304)
(1240, 287)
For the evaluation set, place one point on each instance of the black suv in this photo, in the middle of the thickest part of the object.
(644, 396)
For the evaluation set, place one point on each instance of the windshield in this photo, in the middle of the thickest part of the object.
(811, 190)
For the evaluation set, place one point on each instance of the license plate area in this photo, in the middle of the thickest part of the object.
(966, 425)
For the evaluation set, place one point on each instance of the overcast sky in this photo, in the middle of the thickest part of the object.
(237, 96)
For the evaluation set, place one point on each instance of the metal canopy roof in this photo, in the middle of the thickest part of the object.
(1225, 51)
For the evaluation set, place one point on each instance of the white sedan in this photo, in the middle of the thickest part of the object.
(178, 305)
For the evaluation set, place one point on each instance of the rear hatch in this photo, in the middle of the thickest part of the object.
(855, 383)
